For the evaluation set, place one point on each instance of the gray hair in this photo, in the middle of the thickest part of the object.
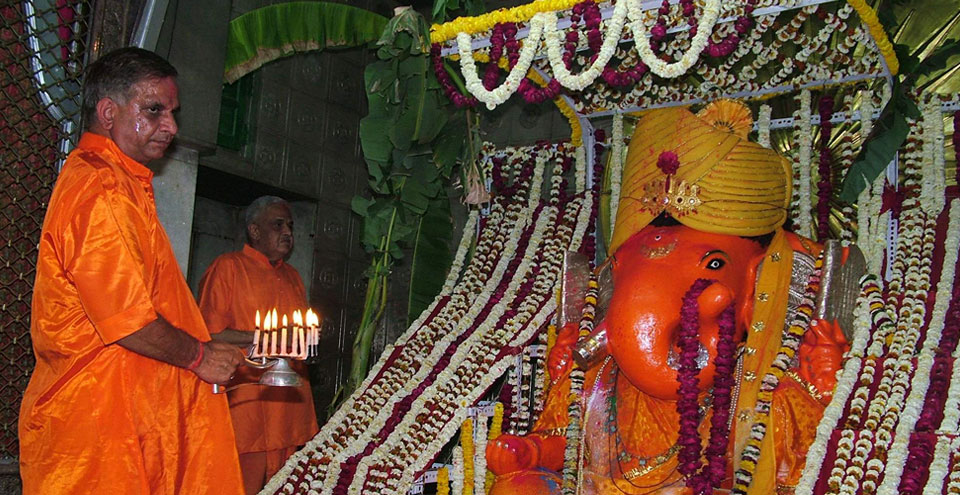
(257, 207)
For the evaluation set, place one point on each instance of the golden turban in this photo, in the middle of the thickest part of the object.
(702, 171)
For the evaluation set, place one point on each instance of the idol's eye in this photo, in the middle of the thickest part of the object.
(716, 264)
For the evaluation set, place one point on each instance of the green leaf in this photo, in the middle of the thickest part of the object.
(406, 32)
(375, 138)
(449, 144)
(431, 257)
(378, 77)
(877, 152)
(414, 197)
(421, 115)
(360, 205)
(938, 59)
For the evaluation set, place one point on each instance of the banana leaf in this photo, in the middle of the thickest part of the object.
(276, 31)
(431, 256)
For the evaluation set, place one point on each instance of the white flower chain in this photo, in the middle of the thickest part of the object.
(932, 182)
(616, 167)
(708, 17)
(763, 126)
(805, 138)
(501, 93)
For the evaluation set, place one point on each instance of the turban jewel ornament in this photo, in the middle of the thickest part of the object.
(703, 171)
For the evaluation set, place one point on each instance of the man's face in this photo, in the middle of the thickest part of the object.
(271, 232)
(144, 125)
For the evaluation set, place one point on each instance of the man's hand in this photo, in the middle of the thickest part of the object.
(220, 361)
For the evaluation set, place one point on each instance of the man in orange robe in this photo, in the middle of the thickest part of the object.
(270, 422)
(120, 400)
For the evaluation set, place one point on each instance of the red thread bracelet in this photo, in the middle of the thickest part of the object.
(196, 362)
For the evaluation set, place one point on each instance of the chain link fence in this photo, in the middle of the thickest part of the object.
(42, 44)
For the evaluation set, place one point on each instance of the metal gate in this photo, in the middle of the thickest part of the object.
(42, 44)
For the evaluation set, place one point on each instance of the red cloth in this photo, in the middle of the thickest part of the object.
(95, 417)
(233, 288)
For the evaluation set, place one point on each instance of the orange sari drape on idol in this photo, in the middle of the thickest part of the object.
(95, 417)
(233, 288)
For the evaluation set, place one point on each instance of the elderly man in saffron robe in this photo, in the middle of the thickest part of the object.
(120, 400)
(270, 422)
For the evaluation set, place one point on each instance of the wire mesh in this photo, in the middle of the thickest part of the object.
(41, 53)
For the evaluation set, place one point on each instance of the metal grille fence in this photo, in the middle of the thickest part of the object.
(41, 53)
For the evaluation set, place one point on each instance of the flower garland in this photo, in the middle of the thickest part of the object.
(348, 434)
(711, 11)
(825, 182)
(703, 480)
(616, 166)
(763, 126)
(869, 17)
(412, 440)
(556, 57)
(932, 183)
(443, 481)
(480, 456)
(498, 95)
(440, 33)
(458, 470)
(897, 458)
(946, 448)
(790, 342)
(870, 299)
(805, 138)
(846, 158)
(571, 453)
(469, 457)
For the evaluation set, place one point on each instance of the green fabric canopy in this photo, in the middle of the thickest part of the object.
(269, 33)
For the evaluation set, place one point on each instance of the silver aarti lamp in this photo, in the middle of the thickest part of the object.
(269, 363)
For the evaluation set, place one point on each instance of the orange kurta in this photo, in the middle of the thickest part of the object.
(95, 417)
(233, 288)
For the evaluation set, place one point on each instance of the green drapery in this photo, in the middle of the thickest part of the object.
(268, 33)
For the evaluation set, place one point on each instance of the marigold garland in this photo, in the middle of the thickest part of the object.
(869, 17)
(443, 481)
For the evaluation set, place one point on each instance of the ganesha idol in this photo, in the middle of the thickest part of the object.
(710, 369)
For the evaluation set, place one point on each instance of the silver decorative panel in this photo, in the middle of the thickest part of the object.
(301, 168)
(333, 228)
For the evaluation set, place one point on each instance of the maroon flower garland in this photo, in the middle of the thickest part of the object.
(446, 82)
(825, 184)
(702, 481)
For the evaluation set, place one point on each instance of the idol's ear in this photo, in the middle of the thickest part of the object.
(745, 307)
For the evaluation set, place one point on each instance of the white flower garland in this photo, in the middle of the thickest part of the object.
(805, 138)
(946, 448)
(580, 168)
(480, 454)
(932, 183)
(409, 449)
(921, 382)
(501, 93)
(457, 475)
(544, 24)
(763, 126)
(611, 37)
(708, 18)
(616, 167)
